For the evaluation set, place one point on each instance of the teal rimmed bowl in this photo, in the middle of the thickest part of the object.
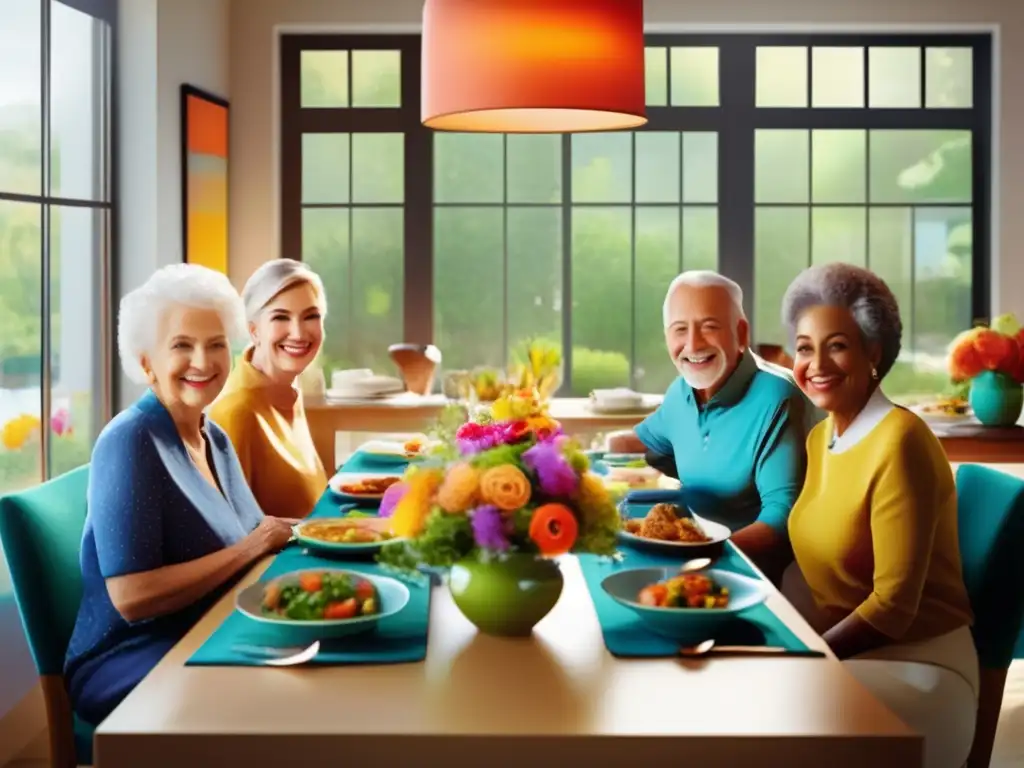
(392, 597)
(684, 625)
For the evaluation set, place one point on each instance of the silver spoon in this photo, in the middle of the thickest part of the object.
(273, 659)
(697, 564)
(704, 648)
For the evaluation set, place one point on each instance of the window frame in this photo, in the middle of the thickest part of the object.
(105, 191)
(736, 120)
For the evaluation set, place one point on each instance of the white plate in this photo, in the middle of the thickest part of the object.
(350, 478)
(716, 531)
(612, 406)
(348, 394)
(943, 419)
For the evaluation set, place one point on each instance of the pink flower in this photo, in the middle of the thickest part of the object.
(390, 499)
(60, 422)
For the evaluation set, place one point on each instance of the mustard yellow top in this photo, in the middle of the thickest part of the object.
(269, 432)
(874, 530)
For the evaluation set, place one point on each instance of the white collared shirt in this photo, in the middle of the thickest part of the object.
(876, 409)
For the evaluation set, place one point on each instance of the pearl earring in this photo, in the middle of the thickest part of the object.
(874, 373)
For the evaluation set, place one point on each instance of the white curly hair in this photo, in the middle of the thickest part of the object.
(862, 292)
(705, 278)
(275, 276)
(187, 285)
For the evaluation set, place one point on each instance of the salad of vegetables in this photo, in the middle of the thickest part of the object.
(321, 596)
(688, 590)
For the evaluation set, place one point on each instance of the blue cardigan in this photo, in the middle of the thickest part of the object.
(148, 507)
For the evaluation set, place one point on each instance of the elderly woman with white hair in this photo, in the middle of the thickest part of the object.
(874, 530)
(171, 520)
(261, 407)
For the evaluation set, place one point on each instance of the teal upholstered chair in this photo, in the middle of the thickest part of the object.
(991, 527)
(41, 533)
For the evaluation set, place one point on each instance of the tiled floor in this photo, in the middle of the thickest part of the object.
(1009, 749)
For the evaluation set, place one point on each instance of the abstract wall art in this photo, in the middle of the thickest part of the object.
(204, 183)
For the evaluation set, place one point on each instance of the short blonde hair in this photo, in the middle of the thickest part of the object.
(275, 276)
(189, 285)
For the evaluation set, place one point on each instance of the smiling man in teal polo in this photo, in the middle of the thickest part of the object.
(734, 425)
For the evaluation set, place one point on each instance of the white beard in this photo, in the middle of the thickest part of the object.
(706, 378)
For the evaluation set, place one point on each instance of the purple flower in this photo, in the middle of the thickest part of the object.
(489, 528)
(390, 499)
(555, 473)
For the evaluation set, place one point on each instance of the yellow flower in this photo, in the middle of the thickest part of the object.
(18, 430)
(411, 511)
(459, 489)
(594, 502)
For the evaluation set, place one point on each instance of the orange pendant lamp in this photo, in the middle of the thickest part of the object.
(533, 66)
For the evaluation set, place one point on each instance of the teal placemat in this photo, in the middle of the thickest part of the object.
(396, 640)
(626, 636)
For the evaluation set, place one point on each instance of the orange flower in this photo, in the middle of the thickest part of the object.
(996, 351)
(459, 489)
(506, 487)
(553, 529)
(964, 361)
(412, 509)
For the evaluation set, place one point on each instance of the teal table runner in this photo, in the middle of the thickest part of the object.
(396, 640)
(626, 636)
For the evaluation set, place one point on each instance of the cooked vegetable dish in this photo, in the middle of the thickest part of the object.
(369, 486)
(688, 590)
(335, 532)
(319, 596)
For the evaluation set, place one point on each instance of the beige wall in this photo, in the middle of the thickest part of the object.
(255, 25)
(163, 43)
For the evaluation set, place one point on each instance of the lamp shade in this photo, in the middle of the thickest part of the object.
(533, 66)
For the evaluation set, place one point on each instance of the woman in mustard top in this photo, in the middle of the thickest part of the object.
(261, 406)
(874, 530)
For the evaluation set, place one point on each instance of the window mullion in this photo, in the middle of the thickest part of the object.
(46, 355)
(737, 65)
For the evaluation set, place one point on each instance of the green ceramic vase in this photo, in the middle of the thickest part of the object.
(506, 595)
(996, 399)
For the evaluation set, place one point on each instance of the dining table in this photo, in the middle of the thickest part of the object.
(555, 698)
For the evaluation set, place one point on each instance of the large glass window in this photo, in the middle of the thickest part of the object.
(762, 155)
(55, 215)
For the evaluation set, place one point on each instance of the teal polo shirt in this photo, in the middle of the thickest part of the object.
(741, 457)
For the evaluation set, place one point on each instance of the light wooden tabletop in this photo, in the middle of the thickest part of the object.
(558, 698)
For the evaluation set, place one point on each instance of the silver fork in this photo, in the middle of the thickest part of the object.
(281, 657)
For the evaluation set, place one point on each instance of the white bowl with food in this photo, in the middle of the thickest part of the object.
(667, 527)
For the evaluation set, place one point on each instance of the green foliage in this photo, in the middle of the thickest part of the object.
(595, 369)
(503, 454)
(445, 539)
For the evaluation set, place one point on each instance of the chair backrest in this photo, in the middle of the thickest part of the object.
(41, 533)
(990, 508)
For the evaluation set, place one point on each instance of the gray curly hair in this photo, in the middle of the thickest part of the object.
(863, 293)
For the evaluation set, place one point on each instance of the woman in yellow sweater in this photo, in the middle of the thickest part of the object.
(261, 407)
(874, 530)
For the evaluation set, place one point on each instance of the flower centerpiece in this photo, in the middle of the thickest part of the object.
(991, 360)
(507, 493)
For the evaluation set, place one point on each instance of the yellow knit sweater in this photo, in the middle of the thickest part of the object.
(272, 440)
(874, 530)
